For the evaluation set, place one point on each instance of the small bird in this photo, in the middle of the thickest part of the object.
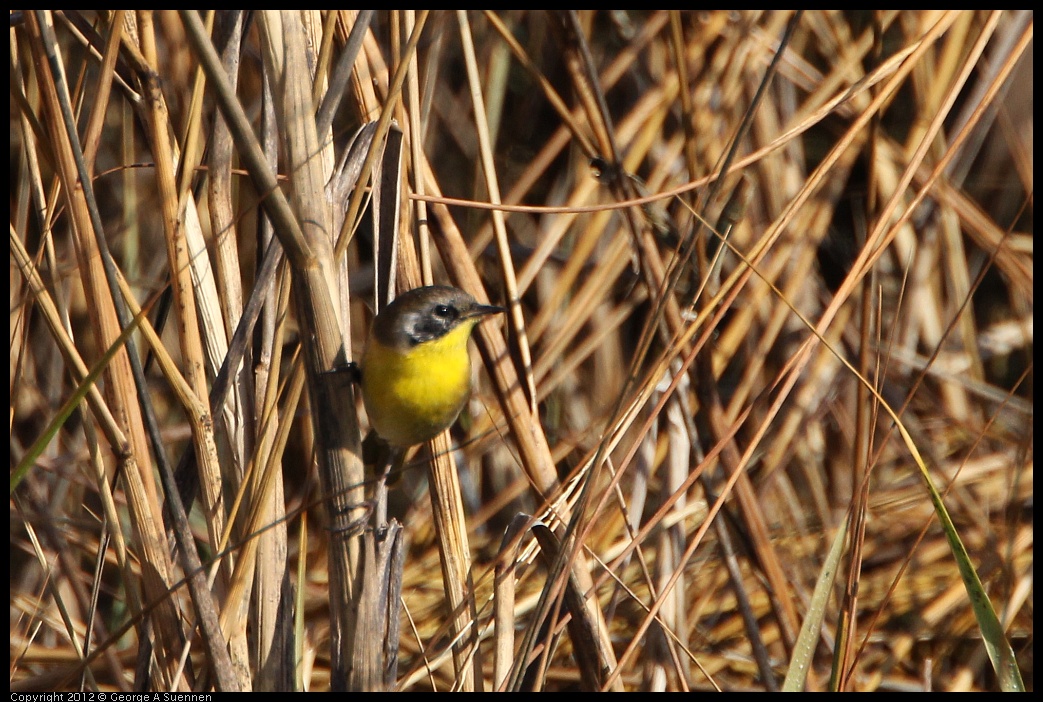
(416, 370)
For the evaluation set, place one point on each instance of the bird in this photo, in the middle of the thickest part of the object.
(416, 369)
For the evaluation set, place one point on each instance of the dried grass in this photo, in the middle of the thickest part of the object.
(702, 436)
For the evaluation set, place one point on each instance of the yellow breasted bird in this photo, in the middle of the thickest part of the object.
(416, 370)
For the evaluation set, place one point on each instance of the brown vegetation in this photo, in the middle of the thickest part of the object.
(765, 384)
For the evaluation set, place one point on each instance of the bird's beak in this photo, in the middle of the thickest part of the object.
(484, 310)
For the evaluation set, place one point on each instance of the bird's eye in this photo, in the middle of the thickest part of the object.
(445, 311)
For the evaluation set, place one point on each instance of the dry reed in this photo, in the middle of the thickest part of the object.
(765, 384)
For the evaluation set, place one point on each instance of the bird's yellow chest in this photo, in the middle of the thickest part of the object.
(413, 395)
